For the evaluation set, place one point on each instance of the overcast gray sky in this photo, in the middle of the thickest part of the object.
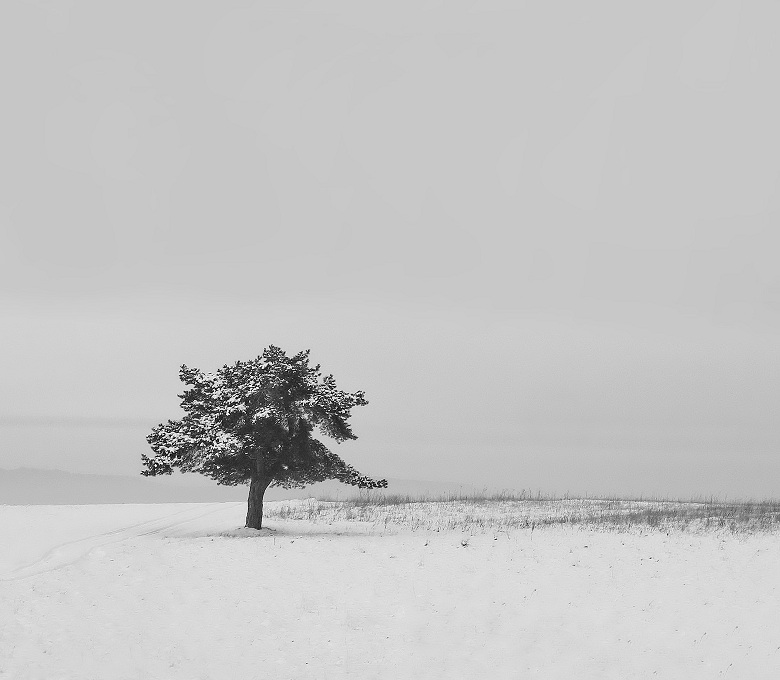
(542, 236)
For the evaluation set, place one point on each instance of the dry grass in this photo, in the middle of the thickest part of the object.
(483, 512)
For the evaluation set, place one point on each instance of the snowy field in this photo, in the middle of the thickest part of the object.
(181, 591)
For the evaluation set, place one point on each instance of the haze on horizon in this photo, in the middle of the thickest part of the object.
(542, 237)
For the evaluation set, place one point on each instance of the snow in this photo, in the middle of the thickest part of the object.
(184, 591)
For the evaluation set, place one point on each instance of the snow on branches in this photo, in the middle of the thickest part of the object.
(257, 417)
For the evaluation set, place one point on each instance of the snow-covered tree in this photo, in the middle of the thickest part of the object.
(252, 422)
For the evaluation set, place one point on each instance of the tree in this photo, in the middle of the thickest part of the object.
(252, 422)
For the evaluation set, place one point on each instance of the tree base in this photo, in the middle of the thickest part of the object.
(254, 512)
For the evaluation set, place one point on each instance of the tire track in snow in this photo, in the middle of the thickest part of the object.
(70, 552)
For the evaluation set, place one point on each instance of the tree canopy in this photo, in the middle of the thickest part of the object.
(252, 422)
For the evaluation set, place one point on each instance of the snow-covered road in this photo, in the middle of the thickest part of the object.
(178, 591)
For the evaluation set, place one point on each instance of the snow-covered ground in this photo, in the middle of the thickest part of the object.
(181, 591)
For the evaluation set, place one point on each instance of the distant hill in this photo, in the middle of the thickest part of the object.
(31, 486)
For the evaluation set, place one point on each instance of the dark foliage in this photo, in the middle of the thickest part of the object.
(258, 417)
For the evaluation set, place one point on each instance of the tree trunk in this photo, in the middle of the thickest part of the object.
(257, 487)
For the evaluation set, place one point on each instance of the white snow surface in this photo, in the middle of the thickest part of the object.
(184, 591)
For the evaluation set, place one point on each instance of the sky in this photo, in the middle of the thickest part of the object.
(541, 236)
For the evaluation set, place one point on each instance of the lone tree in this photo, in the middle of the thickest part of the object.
(252, 422)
